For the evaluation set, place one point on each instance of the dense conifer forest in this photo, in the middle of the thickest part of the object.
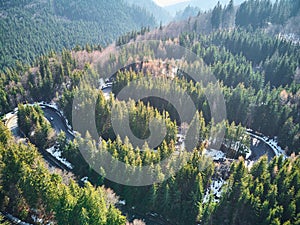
(33, 28)
(258, 75)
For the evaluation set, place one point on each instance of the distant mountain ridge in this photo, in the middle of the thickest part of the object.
(160, 14)
(189, 11)
(203, 5)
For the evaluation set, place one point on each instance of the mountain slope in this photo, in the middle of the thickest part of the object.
(186, 13)
(33, 27)
(158, 12)
(203, 5)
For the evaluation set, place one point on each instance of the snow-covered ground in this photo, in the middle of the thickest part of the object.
(249, 163)
(180, 145)
(57, 154)
(105, 87)
(11, 120)
(255, 141)
(214, 154)
(15, 220)
(122, 202)
(85, 179)
(9, 115)
(106, 92)
(215, 189)
(37, 220)
(249, 153)
(51, 105)
(276, 148)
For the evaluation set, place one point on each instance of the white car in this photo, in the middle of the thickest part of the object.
(84, 179)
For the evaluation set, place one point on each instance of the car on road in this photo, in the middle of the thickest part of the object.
(84, 179)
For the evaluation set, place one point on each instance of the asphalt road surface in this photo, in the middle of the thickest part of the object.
(260, 148)
(57, 122)
(12, 124)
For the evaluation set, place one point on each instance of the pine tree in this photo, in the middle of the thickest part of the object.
(216, 17)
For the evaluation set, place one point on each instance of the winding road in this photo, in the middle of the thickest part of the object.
(259, 149)
(260, 146)
(58, 122)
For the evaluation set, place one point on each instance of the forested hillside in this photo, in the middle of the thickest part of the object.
(267, 194)
(266, 14)
(32, 28)
(267, 106)
(257, 74)
(189, 11)
(275, 17)
(28, 188)
(201, 5)
(160, 14)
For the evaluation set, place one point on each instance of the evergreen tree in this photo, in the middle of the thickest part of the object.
(216, 17)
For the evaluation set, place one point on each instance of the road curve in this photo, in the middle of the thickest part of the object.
(272, 148)
(57, 120)
(59, 123)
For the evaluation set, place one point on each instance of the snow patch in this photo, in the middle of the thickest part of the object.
(249, 163)
(37, 220)
(215, 154)
(57, 154)
(15, 220)
(215, 189)
(122, 202)
(249, 153)
(273, 144)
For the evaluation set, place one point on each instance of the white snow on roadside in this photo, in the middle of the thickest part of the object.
(276, 148)
(57, 154)
(85, 179)
(106, 92)
(15, 220)
(68, 125)
(71, 132)
(249, 153)
(51, 105)
(37, 220)
(122, 202)
(8, 115)
(255, 141)
(215, 154)
(60, 113)
(249, 163)
(271, 142)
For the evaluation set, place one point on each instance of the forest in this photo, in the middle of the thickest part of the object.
(254, 14)
(27, 187)
(257, 74)
(33, 28)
